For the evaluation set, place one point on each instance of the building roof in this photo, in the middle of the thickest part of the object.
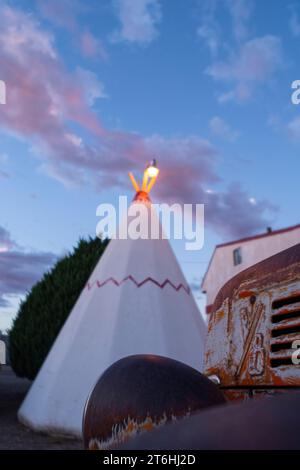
(247, 239)
(260, 235)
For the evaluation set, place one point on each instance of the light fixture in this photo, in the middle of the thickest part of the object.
(152, 169)
(150, 172)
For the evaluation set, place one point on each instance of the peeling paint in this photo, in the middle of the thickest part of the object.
(255, 318)
(246, 293)
(129, 428)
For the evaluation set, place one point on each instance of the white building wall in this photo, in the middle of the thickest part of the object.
(222, 268)
(2, 352)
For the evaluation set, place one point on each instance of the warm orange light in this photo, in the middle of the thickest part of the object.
(133, 182)
(152, 171)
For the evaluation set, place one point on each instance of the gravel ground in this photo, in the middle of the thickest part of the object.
(14, 435)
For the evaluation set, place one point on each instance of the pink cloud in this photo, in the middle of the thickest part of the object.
(41, 95)
(42, 99)
(19, 269)
(188, 166)
(234, 214)
(92, 47)
(66, 14)
(6, 242)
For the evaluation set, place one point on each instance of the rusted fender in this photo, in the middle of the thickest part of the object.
(267, 424)
(142, 392)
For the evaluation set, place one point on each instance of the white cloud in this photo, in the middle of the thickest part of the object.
(22, 33)
(274, 122)
(209, 34)
(74, 139)
(139, 20)
(293, 128)
(294, 22)
(236, 58)
(240, 11)
(220, 128)
(241, 93)
(94, 89)
(209, 29)
(254, 63)
(3, 158)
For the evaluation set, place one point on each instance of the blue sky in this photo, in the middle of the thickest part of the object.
(96, 89)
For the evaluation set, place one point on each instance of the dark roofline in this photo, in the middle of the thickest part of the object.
(272, 269)
(242, 240)
(261, 235)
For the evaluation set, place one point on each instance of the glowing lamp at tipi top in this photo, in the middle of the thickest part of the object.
(136, 301)
(149, 179)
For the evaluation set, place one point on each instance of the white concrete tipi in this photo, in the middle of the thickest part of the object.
(135, 302)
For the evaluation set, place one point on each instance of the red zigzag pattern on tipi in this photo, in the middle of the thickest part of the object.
(138, 284)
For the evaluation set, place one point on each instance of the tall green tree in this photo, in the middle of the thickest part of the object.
(47, 306)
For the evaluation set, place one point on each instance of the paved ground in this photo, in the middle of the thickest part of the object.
(14, 435)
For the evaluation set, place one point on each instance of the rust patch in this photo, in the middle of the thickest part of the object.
(246, 293)
(130, 428)
(254, 349)
(220, 315)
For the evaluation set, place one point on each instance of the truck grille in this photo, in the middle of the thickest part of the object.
(285, 329)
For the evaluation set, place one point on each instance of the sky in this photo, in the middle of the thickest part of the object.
(95, 89)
